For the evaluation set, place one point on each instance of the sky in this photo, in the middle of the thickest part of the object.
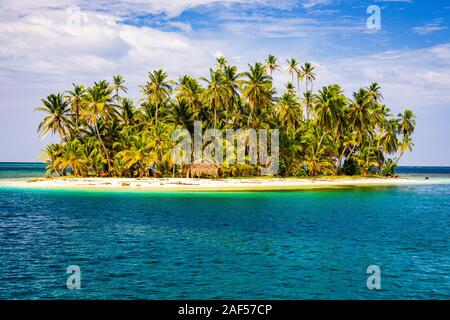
(46, 45)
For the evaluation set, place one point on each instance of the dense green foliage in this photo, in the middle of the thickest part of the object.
(104, 133)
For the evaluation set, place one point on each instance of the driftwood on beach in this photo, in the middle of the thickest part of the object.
(203, 169)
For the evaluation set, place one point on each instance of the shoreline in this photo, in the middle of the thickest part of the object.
(193, 184)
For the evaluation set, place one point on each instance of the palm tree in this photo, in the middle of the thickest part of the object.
(75, 98)
(97, 106)
(271, 64)
(361, 114)
(407, 122)
(289, 110)
(308, 98)
(231, 79)
(119, 84)
(290, 87)
(329, 106)
(73, 157)
(221, 63)
(215, 91)
(292, 67)
(190, 91)
(182, 114)
(52, 157)
(157, 90)
(127, 112)
(256, 89)
(406, 144)
(374, 91)
(140, 155)
(56, 121)
(307, 74)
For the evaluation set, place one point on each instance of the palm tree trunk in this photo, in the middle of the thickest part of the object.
(341, 157)
(77, 111)
(156, 115)
(249, 117)
(104, 147)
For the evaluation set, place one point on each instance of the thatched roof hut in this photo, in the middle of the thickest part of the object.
(203, 169)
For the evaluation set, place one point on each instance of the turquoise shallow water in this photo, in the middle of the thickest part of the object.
(280, 245)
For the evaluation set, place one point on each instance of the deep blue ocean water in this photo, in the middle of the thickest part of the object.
(230, 245)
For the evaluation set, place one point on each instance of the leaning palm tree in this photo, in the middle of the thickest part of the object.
(405, 144)
(157, 90)
(271, 64)
(56, 121)
(215, 91)
(52, 157)
(256, 89)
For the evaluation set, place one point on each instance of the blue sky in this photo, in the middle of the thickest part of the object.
(46, 45)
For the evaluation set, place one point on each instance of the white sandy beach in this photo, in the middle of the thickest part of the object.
(230, 184)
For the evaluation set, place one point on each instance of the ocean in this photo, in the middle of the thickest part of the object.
(310, 244)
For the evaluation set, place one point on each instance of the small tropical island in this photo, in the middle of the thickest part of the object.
(323, 134)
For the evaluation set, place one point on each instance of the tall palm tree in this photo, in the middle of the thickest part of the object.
(56, 121)
(307, 73)
(271, 64)
(157, 90)
(97, 106)
(231, 79)
(119, 84)
(308, 99)
(215, 91)
(256, 89)
(75, 98)
(293, 68)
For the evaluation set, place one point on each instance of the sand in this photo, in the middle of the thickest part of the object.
(229, 184)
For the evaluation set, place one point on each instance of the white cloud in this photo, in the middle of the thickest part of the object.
(170, 8)
(435, 25)
(312, 3)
